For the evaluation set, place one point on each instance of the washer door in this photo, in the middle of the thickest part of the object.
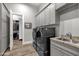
(38, 34)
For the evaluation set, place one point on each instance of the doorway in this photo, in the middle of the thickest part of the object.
(16, 41)
(16, 30)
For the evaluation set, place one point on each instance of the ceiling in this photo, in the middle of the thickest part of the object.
(36, 6)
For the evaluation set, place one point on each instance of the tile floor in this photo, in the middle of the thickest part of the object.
(21, 50)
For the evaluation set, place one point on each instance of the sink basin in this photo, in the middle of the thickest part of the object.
(69, 40)
(63, 39)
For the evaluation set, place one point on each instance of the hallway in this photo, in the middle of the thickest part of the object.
(21, 50)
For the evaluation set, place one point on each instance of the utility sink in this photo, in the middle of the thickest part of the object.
(69, 40)
(64, 39)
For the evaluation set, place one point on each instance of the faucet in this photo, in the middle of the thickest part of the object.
(69, 35)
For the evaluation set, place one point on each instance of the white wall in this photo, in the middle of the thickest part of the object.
(28, 13)
(69, 23)
(16, 17)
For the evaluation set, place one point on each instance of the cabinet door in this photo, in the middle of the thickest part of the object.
(43, 18)
(65, 53)
(52, 13)
(36, 22)
(55, 51)
(39, 20)
(46, 16)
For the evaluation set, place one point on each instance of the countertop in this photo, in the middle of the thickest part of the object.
(65, 42)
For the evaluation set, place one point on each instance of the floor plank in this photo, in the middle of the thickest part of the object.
(21, 50)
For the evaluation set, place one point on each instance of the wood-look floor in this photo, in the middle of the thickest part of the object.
(21, 50)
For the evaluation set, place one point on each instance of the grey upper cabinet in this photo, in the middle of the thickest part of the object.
(42, 19)
(47, 16)
(52, 14)
(37, 21)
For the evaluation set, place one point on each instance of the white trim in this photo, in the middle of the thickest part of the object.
(28, 42)
(1, 53)
(11, 28)
(22, 28)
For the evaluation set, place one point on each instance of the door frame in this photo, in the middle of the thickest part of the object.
(11, 27)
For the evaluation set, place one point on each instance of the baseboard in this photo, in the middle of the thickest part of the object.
(28, 42)
(2, 53)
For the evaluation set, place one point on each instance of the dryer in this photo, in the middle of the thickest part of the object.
(42, 40)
